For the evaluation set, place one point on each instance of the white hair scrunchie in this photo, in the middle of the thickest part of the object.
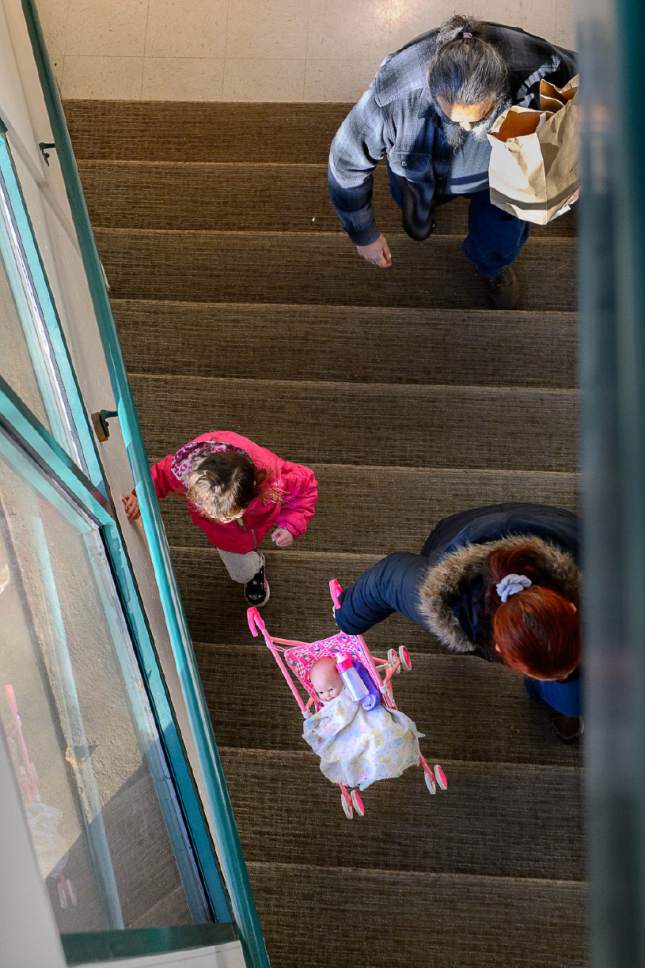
(511, 585)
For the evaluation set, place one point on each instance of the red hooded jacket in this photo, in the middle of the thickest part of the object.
(288, 498)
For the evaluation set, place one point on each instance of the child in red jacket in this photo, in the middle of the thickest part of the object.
(236, 491)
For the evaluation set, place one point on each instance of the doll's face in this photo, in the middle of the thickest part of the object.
(326, 680)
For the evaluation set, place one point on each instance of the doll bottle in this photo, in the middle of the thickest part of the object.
(354, 684)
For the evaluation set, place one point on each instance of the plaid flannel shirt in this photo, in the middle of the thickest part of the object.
(395, 118)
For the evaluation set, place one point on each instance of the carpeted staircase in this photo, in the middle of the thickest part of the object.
(240, 305)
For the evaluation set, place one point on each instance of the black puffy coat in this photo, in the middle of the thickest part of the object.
(443, 589)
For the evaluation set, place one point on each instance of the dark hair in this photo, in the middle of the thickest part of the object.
(466, 69)
(536, 631)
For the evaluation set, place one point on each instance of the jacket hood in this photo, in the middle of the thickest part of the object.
(443, 580)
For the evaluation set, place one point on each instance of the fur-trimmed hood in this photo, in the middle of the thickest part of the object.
(444, 579)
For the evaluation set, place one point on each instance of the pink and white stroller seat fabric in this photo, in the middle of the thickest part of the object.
(359, 742)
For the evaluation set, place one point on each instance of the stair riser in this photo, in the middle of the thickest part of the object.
(319, 269)
(239, 197)
(360, 345)
(393, 426)
(261, 714)
(383, 510)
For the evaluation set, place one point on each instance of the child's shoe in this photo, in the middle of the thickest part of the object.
(256, 591)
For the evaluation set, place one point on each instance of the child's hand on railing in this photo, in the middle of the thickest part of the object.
(131, 505)
(282, 538)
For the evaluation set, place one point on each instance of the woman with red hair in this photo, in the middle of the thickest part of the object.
(501, 582)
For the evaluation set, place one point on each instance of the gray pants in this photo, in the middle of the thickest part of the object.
(241, 568)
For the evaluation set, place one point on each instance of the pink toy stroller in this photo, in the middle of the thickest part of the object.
(295, 660)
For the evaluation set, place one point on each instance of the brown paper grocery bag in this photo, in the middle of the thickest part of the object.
(533, 167)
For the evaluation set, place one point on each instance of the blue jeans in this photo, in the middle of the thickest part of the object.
(494, 238)
(563, 697)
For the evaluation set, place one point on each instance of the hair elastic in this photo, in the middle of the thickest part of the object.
(512, 585)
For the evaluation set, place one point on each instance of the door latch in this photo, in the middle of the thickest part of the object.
(100, 423)
(45, 148)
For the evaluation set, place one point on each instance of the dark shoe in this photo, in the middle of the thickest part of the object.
(503, 290)
(568, 728)
(257, 590)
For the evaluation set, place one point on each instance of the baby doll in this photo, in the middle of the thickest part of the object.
(357, 747)
(326, 680)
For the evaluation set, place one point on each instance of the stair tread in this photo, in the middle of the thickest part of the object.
(443, 920)
(203, 130)
(295, 790)
(234, 195)
(439, 695)
(301, 267)
(426, 494)
(321, 343)
(216, 608)
(448, 426)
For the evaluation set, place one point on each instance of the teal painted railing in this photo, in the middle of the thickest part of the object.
(229, 849)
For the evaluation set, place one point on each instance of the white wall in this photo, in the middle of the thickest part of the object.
(253, 50)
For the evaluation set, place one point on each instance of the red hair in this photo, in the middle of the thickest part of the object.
(536, 631)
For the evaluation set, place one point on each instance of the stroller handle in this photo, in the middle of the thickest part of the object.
(255, 622)
(335, 590)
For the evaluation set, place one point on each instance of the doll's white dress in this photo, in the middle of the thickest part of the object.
(358, 748)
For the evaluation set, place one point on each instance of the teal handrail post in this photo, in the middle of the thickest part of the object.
(612, 268)
(229, 848)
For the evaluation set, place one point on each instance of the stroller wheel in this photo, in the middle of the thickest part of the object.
(430, 782)
(357, 801)
(440, 777)
(404, 656)
(346, 803)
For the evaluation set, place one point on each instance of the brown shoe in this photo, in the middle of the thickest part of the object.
(503, 290)
(568, 728)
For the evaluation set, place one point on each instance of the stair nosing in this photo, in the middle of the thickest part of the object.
(423, 469)
(335, 233)
(484, 764)
(170, 163)
(478, 311)
(396, 387)
(395, 871)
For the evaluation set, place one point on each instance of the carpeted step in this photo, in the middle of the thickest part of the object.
(302, 267)
(470, 710)
(203, 131)
(300, 606)
(344, 916)
(358, 344)
(242, 197)
(384, 509)
(435, 426)
(514, 840)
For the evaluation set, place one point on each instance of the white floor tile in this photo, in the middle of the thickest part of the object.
(346, 29)
(182, 79)
(267, 29)
(107, 28)
(175, 31)
(107, 78)
(338, 80)
(263, 80)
